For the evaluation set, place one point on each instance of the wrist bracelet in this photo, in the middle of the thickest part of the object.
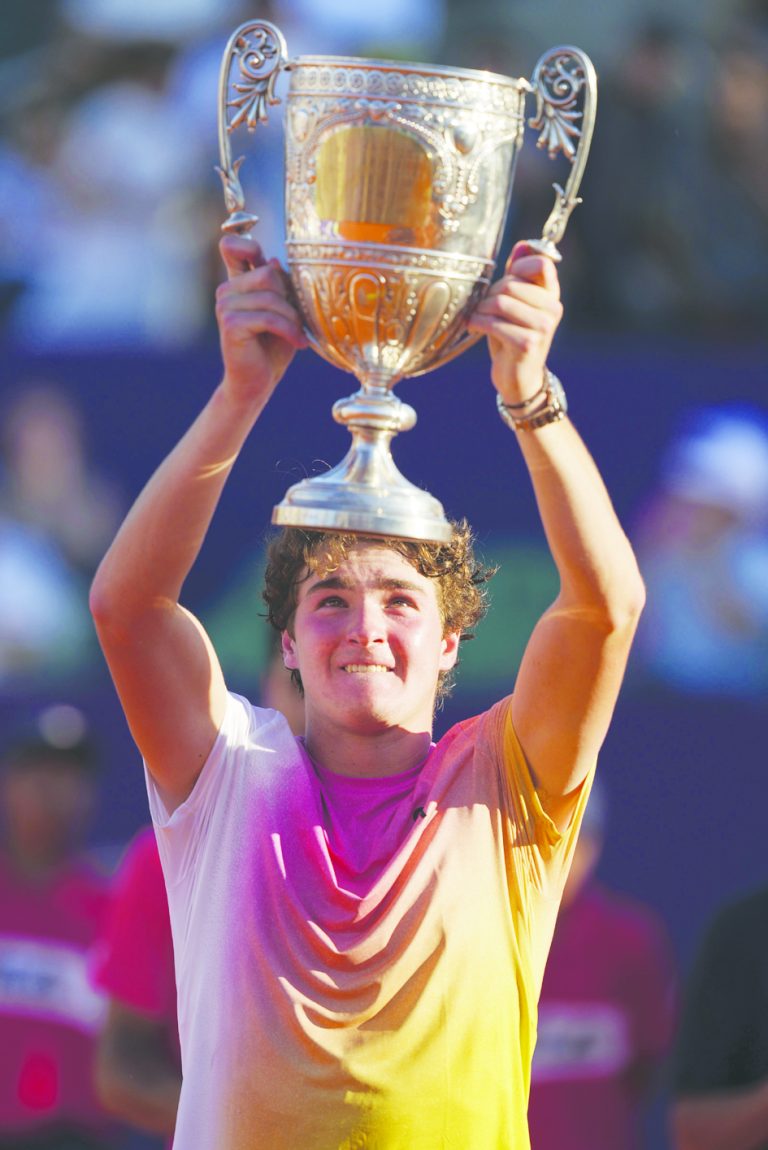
(552, 406)
(536, 398)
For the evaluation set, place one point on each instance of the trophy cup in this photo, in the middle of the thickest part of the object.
(398, 181)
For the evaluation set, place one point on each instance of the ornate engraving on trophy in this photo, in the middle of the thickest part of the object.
(398, 181)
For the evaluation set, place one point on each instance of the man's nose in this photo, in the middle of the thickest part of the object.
(366, 623)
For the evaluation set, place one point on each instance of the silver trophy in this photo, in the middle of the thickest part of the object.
(398, 181)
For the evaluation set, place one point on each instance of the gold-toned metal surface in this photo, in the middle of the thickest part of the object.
(398, 180)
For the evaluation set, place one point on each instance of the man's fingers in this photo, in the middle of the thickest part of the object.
(266, 277)
(240, 254)
(241, 325)
(256, 300)
(522, 302)
(526, 263)
(526, 340)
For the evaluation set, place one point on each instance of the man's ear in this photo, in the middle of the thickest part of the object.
(289, 651)
(450, 652)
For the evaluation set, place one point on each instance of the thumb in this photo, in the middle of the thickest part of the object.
(527, 262)
(240, 254)
(521, 249)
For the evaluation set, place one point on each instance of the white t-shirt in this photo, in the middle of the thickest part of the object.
(323, 1012)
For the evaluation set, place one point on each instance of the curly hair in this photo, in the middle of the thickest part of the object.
(462, 596)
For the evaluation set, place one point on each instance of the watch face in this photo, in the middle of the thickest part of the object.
(556, 392)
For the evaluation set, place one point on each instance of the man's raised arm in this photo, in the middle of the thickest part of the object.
(165, 671)
(574, 663)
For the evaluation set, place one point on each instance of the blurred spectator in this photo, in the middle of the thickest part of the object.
(193, 87)
(721, 1067)
(109, 143)
(634, 225)
(29, 195)
(52, 903)
(139, 1059)
(340, 27)
(109, 165)
(703, 548)
(47, 481)
(173, 21)
(123, 238)
(602, 30)
(57, 514)
(675, 212)
(44, 632)
(400, 29)
(138, 1065)
(730, 205)
(606, 1012)
(24, 27)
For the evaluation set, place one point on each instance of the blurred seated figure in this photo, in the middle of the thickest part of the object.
(44, 630)
(52, 904)
(636, 220)
(720, 1081)
(728, 216)
(48, 481)
(703, 547)
(675, 211)
(125, 241)
(28, 190)
(606, 1012)
(138, 1066)
(57, 513)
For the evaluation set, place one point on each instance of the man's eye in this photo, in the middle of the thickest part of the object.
(331, 601)
(401, 601)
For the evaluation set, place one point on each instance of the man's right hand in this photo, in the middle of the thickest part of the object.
(259, 328)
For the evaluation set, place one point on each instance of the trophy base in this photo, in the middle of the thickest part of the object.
(400, 511)
(365, 494)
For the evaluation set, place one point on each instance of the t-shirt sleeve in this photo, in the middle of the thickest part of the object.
(546, 852)
(247, 734)
(135, 956)
(713, 1044)
(538, 854)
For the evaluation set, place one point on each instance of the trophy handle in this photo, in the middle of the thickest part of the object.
(563, 77)
(253, 59)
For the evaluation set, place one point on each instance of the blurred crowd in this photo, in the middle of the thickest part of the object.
(110, 211)
(111, 207)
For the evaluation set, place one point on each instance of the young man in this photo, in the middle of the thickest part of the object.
(360, 918)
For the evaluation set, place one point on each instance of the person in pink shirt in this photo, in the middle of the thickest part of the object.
(607, 1011)
(52, 904)
(361, 916)
(138, 1065)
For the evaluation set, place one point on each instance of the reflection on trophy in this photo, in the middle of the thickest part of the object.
(398, 181)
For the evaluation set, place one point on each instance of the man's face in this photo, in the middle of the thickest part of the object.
(47, 805)
(368, 641)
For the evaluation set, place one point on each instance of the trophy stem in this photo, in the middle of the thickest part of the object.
(366, 493)
(374, 406)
